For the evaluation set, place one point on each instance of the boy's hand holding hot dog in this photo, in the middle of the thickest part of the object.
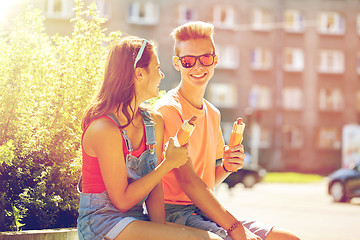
(234, 155)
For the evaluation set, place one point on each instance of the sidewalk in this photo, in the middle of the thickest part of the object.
(303, 208)
(46, 234)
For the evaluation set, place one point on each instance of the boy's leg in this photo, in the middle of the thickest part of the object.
(191, 216)
(281, 234)
(202, 222)
(198, 221)
(258, 228)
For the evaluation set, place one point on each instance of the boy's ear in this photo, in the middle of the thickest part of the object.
(176, 63)
(216, 60)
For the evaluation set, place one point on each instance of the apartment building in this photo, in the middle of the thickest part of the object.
(289, 68)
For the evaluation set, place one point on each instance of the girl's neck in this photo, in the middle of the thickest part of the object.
(120, 115)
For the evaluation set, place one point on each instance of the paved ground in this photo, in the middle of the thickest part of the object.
(304, 209)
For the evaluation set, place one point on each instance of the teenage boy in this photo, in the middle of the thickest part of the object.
(188, 190)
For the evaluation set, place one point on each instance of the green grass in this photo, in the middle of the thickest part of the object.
(291, 177)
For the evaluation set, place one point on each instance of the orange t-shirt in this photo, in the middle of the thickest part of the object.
(205, 144)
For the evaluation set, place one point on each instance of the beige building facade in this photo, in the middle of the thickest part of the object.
(289, 68)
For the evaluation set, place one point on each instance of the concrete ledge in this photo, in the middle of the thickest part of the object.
(45, 234)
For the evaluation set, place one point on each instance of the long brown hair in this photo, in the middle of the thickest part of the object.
(118, 89)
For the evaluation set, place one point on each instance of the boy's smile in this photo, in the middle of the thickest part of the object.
(199, 75)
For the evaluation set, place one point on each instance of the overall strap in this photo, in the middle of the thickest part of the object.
(149, 128)
(126, 138)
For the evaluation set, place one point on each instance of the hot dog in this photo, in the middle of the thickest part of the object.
(184, 133)
(236, 138)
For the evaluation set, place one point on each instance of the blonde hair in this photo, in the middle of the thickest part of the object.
(192, 30)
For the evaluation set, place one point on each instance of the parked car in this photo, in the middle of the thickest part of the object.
(249, 175)
(344, 184)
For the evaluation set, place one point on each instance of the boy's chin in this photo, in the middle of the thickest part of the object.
(199, 82)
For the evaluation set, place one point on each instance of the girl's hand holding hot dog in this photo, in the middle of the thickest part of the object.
(176, 147)
(175, 157)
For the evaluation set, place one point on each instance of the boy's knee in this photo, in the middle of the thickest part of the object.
(280, 234)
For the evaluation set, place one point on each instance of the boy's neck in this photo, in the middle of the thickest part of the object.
(194, 95)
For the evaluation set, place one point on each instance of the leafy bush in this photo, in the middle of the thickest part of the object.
(46, 83)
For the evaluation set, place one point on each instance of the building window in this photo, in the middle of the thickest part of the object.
(260, 98)
(186, 14)
(328, 138)
(294, 21)
(265, 137)
(331, 23)
(331, 61)
(331, 100)
(261, 20)
(58, 8)
(261, 59)
(228, 56)
(104, 8)
(144, 13)
(292, 98)
(292, 137)
(293, 59)
(224, 16)
(222, 95)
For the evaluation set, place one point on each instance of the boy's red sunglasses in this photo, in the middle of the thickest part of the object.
(189, 61)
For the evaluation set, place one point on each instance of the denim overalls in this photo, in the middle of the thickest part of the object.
(98, 217)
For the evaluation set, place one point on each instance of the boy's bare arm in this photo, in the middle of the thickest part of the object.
(220, 175)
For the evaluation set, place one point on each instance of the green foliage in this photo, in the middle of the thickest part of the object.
(6, 153)
(17, 218)
(46, 83)
(151, 102)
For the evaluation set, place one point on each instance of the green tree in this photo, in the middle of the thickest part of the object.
(46, 84)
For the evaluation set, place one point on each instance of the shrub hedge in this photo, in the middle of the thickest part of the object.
(46, 82)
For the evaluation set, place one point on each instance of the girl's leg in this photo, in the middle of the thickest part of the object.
(156, 231)
(280, 234)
